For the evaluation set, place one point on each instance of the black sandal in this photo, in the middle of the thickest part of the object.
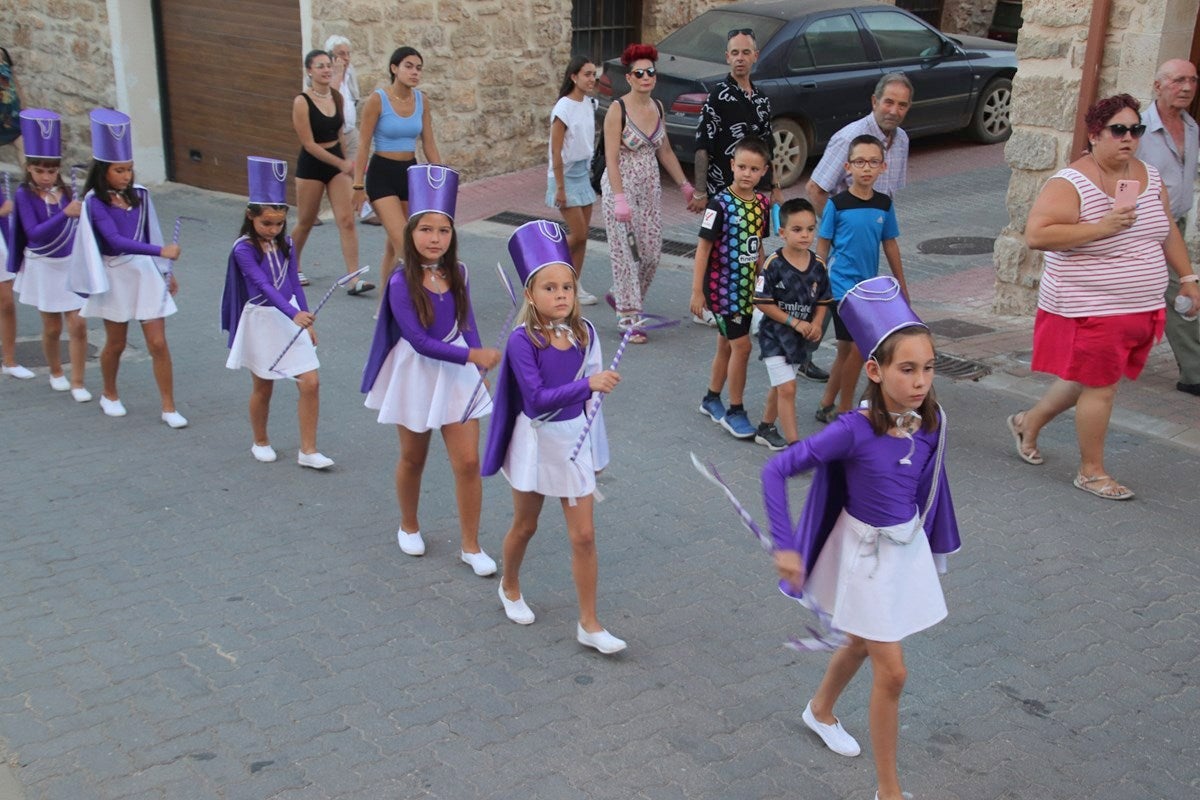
(360, 287)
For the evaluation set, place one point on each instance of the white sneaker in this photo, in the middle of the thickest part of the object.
(112, 408)
(20, 373)
(411, 543)
(481, 562)
(905, 795)
(81, 394)
(263, 452)
(60, 383)
(834, 736)
(602, 640)
(516, 610)
(174, 419)
(584, 297)
(314, 461)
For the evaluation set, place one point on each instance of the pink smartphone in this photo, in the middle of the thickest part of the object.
(1127, 194)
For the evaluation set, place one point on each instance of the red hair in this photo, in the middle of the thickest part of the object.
(638, 52)
(1102, 111)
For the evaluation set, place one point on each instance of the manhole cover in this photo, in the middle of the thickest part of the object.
(958, 328)
(30, 354)
(957, 246)
(959, 369)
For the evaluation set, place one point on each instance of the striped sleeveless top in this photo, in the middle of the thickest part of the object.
(1120, 274)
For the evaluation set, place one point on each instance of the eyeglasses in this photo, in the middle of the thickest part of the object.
(863, 163)
(1119, 131)
(740, 32)
(649, 72)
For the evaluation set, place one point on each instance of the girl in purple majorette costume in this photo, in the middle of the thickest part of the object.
(425, 360)
(878, 521)
(551, 367)
(45, 215)
(263, 308)
(119, 262)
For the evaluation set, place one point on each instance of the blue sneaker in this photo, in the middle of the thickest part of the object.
(738, 424)
(714, 409)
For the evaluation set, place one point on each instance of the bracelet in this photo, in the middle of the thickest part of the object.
(697, 195)
(1193, 278)
(358, 187)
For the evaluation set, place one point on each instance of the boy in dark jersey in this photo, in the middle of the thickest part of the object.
(727, 261)
(793, 294)
(853, 226)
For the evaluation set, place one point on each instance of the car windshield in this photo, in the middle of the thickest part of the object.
(704, 37)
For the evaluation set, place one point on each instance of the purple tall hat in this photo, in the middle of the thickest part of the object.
(112, 136)
(41, 130)
(432, 187)
(268, 180)
(875, 309)
(538, 244)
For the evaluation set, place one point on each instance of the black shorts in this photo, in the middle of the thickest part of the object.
(388, 177)
(311, 168)
(840, 331)
(733, 326)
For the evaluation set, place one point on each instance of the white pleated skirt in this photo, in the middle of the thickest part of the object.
(539, 456)
(42, 282)
(5, 275)
(423, 393)
(262, 333)
(875, 587)
(136, 291)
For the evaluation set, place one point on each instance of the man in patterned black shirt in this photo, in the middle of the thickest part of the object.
(734, 109)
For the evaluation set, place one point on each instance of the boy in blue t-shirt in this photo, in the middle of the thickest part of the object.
(792, 292)
(727, 260)
(855, 223)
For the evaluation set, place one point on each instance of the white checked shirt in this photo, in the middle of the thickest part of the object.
(830, 174)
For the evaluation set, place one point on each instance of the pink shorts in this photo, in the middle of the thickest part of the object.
(1095, 351)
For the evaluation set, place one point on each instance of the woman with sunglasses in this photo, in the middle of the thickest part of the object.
(635, 143)
(1109, 239)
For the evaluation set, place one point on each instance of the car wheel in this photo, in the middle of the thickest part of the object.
(791, 149)
(992, 121)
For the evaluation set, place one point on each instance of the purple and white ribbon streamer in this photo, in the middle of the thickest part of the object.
(595, 409)
(170, 263)
(823, 636)
(7, 187)
(342, 281)
(646, 322)
(476, 399)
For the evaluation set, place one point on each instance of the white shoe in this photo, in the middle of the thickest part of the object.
(602, 640)
(411, 543)
(834, 736)
(314, 461)
(584, 297)
(263, 452)
(81, 394)
(174, 419)
(60, 383)
(481, 562)
(20, 373)
(516, 610)
(905, 795)
(112, 408)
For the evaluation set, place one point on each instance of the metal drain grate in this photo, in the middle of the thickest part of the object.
(959, 369)
(516, 219)
(957, 246)
(958, 328)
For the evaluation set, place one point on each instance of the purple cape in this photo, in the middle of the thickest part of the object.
(235, 296)
(387, 333)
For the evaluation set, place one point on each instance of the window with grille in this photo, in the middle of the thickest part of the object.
(600, 29)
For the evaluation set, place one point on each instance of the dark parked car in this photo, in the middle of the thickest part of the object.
(819, 61)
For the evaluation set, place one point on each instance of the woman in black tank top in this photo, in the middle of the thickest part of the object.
(321, 167)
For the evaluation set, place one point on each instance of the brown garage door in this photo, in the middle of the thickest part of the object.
(231, 70)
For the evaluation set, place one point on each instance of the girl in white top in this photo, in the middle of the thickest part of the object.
(572, 140)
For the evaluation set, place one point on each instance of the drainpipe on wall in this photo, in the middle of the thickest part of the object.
(1093, 56)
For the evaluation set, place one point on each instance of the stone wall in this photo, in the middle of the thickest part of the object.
(1142, 34)
(63, 56)
(661, 17)
(972, 17)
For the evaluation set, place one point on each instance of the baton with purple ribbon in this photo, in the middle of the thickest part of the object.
(595, 409)
(7, 187)
(75, 170)
(342, 281)
(170, 273)
(823, 636)
(476, 398)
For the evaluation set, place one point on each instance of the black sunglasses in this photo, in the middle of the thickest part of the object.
(1119, 131)
(740, 32)
(642, 73)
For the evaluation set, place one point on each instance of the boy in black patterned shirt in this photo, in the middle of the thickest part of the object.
(793, 293)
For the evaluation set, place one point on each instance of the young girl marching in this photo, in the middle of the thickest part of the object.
(45, 216)
(551, 367)
(8, 309)
(263, 307)
(424, 364)
(878, 521)
(119, 262)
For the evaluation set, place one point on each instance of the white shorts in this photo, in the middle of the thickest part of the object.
(779, 371)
